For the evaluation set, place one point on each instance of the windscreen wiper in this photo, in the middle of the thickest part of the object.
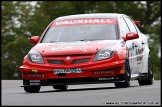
(53, 41)
(90, 39)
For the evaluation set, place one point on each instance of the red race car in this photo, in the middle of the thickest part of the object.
(88, 48)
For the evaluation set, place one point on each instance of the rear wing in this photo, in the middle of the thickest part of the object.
(137, 23)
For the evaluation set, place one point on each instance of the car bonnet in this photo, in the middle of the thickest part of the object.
(72, 48)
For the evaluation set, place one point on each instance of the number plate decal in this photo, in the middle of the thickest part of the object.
(73, 70)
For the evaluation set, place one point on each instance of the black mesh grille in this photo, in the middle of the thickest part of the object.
(78, 61)
(55, 61)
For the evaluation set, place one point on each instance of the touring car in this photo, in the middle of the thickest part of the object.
(88, 48)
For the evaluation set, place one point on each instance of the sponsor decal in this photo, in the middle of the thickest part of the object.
(34, 82)
(110, 78)
(139, 53)
(84, 21)
(34, 70)
(104, 72)
(35, 75)
(130, 35)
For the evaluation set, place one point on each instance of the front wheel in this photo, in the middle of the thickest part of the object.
(127, 77)
(149, 75)
(32, 89)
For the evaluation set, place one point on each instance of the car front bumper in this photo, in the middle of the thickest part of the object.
(97, 72)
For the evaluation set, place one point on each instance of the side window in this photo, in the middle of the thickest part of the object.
(130, 25)
(138, 30)
(124, 27)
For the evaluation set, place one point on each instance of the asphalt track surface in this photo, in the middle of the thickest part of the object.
(82, 95)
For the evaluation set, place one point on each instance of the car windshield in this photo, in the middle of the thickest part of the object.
(80, 32)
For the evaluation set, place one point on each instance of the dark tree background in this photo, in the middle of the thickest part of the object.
(22, 19)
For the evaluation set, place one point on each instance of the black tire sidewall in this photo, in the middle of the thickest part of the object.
(32, 89)
(127, 70)
(150, 73)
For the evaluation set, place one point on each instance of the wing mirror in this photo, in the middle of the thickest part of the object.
(131, 36)
(34, 39)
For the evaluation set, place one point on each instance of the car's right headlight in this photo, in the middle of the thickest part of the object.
(35, 56)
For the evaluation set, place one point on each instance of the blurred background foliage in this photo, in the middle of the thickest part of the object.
(23, 19)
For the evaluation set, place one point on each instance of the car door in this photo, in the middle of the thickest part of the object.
(130, 44)
(142, 46)
(137, 63)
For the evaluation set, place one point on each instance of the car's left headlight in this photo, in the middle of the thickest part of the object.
(104, 54)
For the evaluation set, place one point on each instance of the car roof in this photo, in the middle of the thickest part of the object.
(92, 15)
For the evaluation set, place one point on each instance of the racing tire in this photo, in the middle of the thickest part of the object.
(32, 89)
(61, 87)
(150, 76)
(127, 77)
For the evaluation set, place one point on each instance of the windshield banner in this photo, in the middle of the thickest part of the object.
(84, 22)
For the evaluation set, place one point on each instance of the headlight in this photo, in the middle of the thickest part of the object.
(104, 54)
(35, 57)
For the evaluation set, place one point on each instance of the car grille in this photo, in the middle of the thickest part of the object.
(55, 61)
(78, 61)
